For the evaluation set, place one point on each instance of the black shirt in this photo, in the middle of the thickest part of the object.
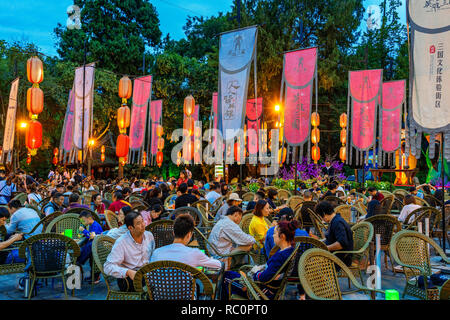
(184, 200)
(329, 171)
(251, 205)
(340, 231)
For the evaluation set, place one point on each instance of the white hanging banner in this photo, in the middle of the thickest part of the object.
(80, 141)
(10, 125)
(429, 69)
(237, 50)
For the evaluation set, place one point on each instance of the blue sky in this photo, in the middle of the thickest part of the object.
(34, 20)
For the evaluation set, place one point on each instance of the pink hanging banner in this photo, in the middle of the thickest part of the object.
(155, 114)
(68, 124)
(196, 114)
(254, 112)
(142, 89)
(299, 72)
(365, 89)
(215, 116)
(391, 115)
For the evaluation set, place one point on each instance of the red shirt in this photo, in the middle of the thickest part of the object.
(180, 181)
(117, 205)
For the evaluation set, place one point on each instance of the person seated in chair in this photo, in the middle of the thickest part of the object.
(283, 237)
(55, 204)
(258, 196)
(179, 251)
(7, 256)
(92, 229)
(233, 200)
(184, 198)
(75, 202)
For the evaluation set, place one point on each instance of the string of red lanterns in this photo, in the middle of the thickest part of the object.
(35, 105)
(189, 125)
(123, 120)
(315, 136)
(159, 154)
(343, 125)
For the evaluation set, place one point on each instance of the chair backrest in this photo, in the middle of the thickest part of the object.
(162, 231)
(361, 196)
(294, 201)
(334, 201)
(48, 252)
(284, 194)
(317, 223)
(67, 221)
(385, 193)
(402, 192)
(362, 236)
(303, 243)
(196, 215)
(111, 219)
(384, 225)
(79, 210)
(248, 196)
(245, 222)
(432, 214)
(421, 202)
(101, 248)
(217, 204)
(345, 211)
(170, 200)
(22, 197)
(170, 280)
(386, 204)
(431, 200)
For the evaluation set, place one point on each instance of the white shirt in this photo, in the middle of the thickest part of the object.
(137, 189)
(406, 211)
(180, 253)
(212, 196)
(128, 254)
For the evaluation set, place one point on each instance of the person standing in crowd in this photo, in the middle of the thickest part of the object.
(182, 179)
(130, 252)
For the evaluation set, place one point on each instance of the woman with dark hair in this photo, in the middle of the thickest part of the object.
(165, 191)
(271, 197)
(183, 178)
(98, 206)
(224, 189)
(284, 238)
(154, 197)
(258, 226)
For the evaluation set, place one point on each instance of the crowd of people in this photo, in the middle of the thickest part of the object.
(134, 246)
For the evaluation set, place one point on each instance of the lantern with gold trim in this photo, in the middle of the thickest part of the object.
(122, 147)
(144, 159)
(343, 137)
(33, 137)
(125, 89)
(315, 136)
(159, 158)
(123, 119)
(102, 156)
(35, 104)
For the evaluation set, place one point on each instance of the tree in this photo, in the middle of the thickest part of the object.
(116, 33)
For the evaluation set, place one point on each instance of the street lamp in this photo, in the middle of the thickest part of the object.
(23, 125)
(91, 144)
(277, 108)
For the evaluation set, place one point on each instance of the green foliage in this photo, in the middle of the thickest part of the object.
(253, 187)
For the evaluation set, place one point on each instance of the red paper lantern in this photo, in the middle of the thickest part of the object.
(55, 160)
(125, 88)
(35, 70)
(343, 154)
(55, 152)
(189, 105)
(315, 135)
(122, 146)
(29, 159)
(102, 157)
(102, 149)
(237, 152)
(144, 159)
(343, 136)
(159, 158)
(35, 100)
(315, 153)
(315, 119)
(123, 118)
(343, 120)
(33, 136)
(159, 130)
(188, 124)
(160, 143)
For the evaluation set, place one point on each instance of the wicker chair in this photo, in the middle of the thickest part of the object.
(248, 196)
(432, 201)
(318, 225)
(22, 197)
(410, 250)
(45, 221)
(245, 222)
(397, 206)
(196, 215)
(421, 202)
(217, 204)
(79, 210)
(67, 221)
(432, 214)
(170, 280)
(43, 203)
(319, 278)
(203, 207)
(101, 247)
(294, 201)
(107, 196)
(445, 291)
(298, 214)
(385, 193)
(253, 291)
(385, 225)
(361, 196)
(48, 254)
(162, 231)
(283, 195)
(362, 237)
(36, 209)
(437, 231)
(170, 201)
(386, 204)
(334, 201)
(402, 192)
(10, 268)
(345, 211)
(234, 259)
(111, 219)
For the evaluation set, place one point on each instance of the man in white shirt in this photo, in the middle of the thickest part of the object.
(409, 206)
(130, 252)
(183, 229)
(214, 194)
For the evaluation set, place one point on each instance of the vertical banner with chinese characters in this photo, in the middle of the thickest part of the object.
(142, 89)
(254, 117)
(391, 109)
(66, 143)
(429, 92)
(299, 73)
(83, 104)
(237, 50)
(364, 94)
(10, 125)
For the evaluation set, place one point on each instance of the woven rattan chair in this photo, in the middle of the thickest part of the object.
(294, 201)
(48, 253)
(67, 221)
(362, 236)
(397, 206)
(111, 219)
(421, 202)
(445, 291)
(362, 196)
(432, 201)
(196, 215)
(101, 248)
(170, 280)
(432, 214)
(22, 197)
(304, 223)
(385, 225)
(170, 201)
(245, 222)
(412, 218)
(386, 204)
(35, 208)
(438, 230)
(216, 205)
(318, 225)
(162, 231)
(253, 291)
(403, 192)
(334, 201)
(248, 196)
(345, 211)
(107, 196)
(43, 203)
(203, 207)
(79, 210)
(44, 222)
(10, 268)
(319, 278)
(385, 193)
(410, 250)
(284, 195)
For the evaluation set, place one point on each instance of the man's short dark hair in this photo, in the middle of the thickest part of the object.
(190, 183)
(183, 188)
(411, 189)
(15, 204)
(261, 195)
(60, 185)
(126, 190)
(118, 195)
(157, 208)
(130, 217)
(332, 186)
(371, 189)
(183, 224)
(56, 195)
(126, 210)
(4, 213)
(216, 186)
(85, 214)
(74, 197)
(324, 208)
(232, 210)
